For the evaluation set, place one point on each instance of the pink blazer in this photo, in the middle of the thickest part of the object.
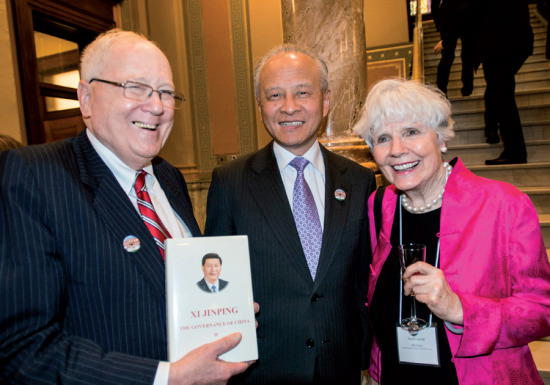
(493, 256)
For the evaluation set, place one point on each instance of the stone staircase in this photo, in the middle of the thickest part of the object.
(533, 101)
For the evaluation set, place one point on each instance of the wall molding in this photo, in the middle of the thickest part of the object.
(243, 67)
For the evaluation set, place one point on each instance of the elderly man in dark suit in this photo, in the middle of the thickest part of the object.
(304, 211)
(83, 221)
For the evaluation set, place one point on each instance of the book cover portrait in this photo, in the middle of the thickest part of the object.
(209, 295)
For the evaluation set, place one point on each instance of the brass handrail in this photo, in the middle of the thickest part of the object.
(418, 46)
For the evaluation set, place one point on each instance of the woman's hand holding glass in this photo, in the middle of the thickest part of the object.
(409, 254)
(430, 287)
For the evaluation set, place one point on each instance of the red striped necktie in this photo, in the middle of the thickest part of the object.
(148, 214)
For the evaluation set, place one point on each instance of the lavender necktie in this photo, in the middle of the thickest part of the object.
(306, 216)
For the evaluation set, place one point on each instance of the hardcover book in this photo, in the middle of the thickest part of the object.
(209, 295)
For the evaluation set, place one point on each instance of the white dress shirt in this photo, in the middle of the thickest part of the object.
(314, 174)
(217, 284)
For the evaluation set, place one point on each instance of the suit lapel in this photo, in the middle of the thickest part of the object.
(266, 182)
(336, 212)
(119, 215)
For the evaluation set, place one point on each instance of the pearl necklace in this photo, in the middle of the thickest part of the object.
(410, 208)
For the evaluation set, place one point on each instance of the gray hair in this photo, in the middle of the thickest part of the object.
(396, 99)
(92, 60)
(323, 69)
(8, 143)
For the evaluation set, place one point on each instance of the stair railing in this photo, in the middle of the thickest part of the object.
(418, 46)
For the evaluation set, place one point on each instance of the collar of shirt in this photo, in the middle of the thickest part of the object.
(125, 175)
(314, 155)
(126, 178)
(315, 175)
(212, 284)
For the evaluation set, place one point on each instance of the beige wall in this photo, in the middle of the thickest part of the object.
(220, 72)
(266, 31)
(10, 97)
(385, 22)
(165, 26)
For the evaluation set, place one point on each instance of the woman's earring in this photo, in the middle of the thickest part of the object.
(443, 149)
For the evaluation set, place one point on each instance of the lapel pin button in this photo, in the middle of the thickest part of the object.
(340, 194)
(131, 243)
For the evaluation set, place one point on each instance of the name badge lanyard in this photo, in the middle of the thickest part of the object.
(401, 281)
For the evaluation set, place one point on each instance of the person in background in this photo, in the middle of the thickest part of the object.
(8, 143)
(543, 8)
(485, 285)
(455, 19)
(82, 229)
(303, 209)
(504, 42)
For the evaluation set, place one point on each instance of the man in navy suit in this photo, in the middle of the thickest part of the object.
(82, 298)
(310, 326)
(212, 267)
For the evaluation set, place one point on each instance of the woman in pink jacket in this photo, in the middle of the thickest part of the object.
(484, 290)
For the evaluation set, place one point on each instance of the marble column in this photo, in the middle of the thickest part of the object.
(335, 30)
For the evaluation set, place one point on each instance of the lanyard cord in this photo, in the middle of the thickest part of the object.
(400, 280)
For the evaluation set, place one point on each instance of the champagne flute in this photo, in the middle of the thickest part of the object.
(408, 254)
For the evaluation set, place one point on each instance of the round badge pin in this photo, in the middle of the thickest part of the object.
(340, 194)
(131, 243)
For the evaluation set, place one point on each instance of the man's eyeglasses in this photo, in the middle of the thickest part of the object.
(142, 92)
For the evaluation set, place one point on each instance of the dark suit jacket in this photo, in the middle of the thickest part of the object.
(505, 31)
(453, 16)
(75, 306)
(299, 320)
(204, 286)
